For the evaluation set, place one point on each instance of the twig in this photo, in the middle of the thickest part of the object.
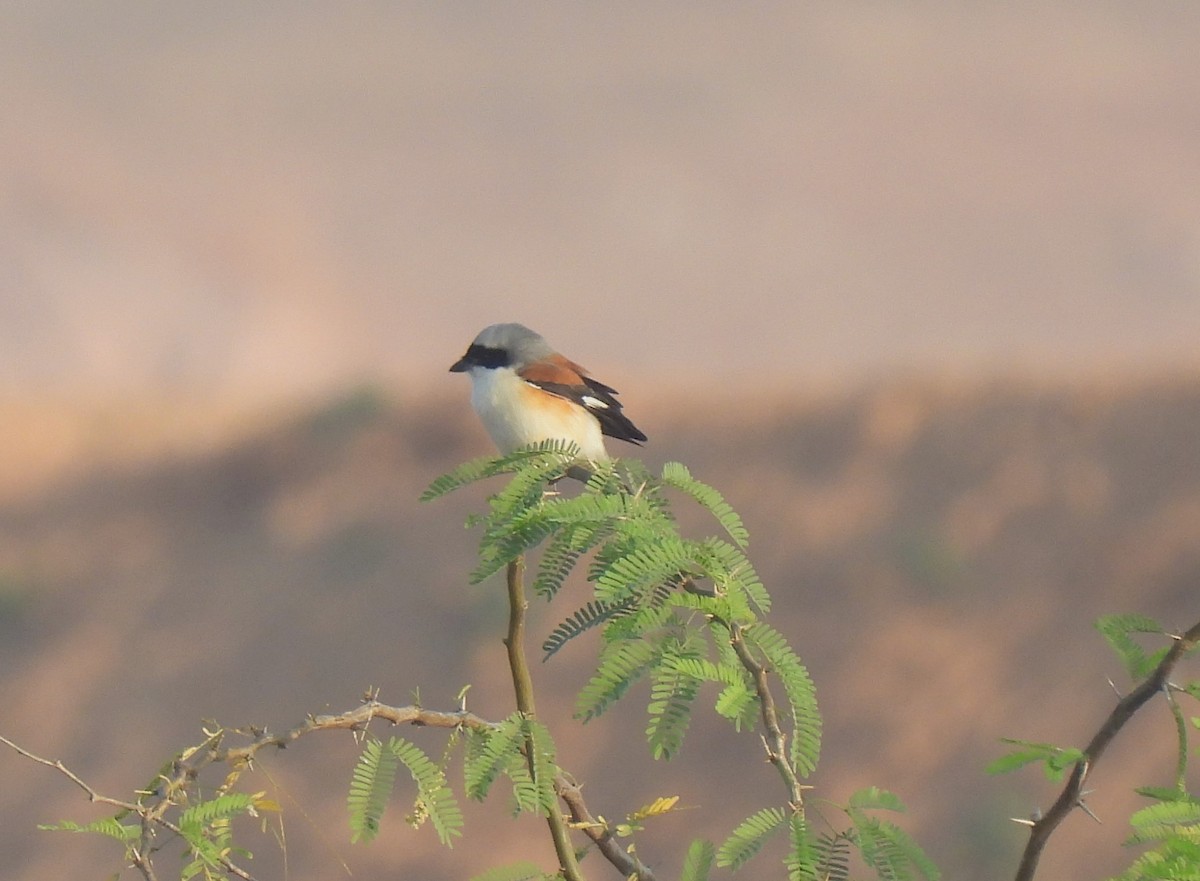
(1072, 793)
(141, 854)
(775, 739)
(352, 720)
(514, 642)
(57, 765)
(626, 863)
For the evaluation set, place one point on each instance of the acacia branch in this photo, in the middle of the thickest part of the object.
(140, 856)
(211, 752)
(185, 771)
(776, 739)
(626, 863)
(1071, 796)
(514, 642)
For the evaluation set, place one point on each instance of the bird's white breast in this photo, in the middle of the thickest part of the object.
(508, 408)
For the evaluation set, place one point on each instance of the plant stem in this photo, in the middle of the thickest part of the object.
(523, 689)
(1071, 796)
(776, 740)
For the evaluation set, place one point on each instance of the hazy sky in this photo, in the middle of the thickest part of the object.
(273, 199)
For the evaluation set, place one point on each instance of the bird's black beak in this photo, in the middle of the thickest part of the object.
(460, 366)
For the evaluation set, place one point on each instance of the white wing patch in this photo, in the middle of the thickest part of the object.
(593, 403)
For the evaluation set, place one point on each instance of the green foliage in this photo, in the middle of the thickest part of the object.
(435, 802)
(1055, 759)
(802, 860)
(739, 704)
(801, 694)
(679, 612)
(563, 551)
(677, 475)
(374, 778)
(748, 838)
(109, 827)
(1181, 741)
(522, 750)
(558, 454)
(1157, 822)
(620, 665)
(670, 709)
(533, 780)
(874, 798)
(220, 809)
(206, 829)
(370, 788)
(887, 849)
(592, 614)
(699, 861)
(1116, 630)
(882, 845)
(832, 853)
(1178, 859)
(651, 584)
(1173, 823)
(490, 753)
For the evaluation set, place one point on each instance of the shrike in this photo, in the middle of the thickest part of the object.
(525, 392)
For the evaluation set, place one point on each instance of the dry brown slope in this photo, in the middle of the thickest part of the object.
(937, 554)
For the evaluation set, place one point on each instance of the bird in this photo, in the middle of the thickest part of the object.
(525, 392)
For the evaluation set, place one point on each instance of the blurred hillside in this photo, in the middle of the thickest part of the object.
(937, 552)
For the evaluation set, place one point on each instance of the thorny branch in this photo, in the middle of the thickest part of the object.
(776, 739)
(149, 816)
(1071, 796)
(184, 771)
(606, 843)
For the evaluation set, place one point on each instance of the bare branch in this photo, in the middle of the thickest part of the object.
(1071, 796)
(57, 765)
(141, 854)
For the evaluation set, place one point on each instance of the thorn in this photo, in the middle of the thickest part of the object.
(767, 748)
(1023, 821)
(1116, 690)
(1088, 811)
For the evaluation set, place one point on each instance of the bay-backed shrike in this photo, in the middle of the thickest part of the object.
(525, 392)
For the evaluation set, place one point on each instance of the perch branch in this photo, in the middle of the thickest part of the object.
(1071, 796)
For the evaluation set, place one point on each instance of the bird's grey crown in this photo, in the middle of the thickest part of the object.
(520, 343)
